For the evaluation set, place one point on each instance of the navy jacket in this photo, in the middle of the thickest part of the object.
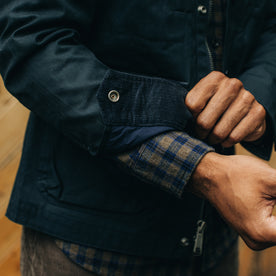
(61, 58)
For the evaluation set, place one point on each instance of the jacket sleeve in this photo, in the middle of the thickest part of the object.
(259, 76)
(47, 65)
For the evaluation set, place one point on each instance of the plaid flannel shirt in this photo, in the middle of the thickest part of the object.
(166, 161)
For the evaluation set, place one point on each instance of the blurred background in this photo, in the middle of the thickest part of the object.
(13, 119)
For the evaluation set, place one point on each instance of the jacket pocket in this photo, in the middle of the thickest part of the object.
(94, 183)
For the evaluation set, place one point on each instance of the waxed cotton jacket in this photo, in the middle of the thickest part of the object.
(61, 58)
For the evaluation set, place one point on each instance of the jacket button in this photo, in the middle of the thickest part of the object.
(202, 9)
(113, 96)
(184, 242)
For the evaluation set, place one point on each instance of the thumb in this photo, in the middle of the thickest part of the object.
(270, 230)
(262, 232)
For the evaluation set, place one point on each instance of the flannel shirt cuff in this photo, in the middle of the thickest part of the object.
(167, 160)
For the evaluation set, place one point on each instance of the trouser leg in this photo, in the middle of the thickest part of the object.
(41, 257)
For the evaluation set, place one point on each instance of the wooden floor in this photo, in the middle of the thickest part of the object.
(13, 118)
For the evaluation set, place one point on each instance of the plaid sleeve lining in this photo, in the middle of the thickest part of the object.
(167, 160)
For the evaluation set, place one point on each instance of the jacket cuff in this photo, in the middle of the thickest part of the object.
(134, 100)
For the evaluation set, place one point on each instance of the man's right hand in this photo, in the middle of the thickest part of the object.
(225, 112)
(243, 190)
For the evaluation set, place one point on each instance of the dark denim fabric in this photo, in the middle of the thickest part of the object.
(60, 58)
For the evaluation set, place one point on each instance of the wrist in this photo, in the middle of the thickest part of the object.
(204, 181)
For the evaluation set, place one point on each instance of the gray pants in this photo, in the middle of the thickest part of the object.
(41, 257)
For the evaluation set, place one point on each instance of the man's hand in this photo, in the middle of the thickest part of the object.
(243, 190)
(225, 112)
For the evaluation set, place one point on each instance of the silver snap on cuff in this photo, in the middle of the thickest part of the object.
(113, 96)
(202, 9)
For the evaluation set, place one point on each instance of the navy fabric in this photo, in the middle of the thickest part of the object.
(61, 58)
(123, 138)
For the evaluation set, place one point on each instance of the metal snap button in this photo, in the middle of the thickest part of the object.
(202, 9)
(184, 242)
(113, 96)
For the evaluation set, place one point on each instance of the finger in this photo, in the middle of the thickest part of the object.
(218, 104)
(232, 116)
(249, 126)
(258, 133)
(198, 97)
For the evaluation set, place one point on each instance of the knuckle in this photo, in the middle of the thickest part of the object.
(260, 111)
(217, 75)
(247, 97)
(259, 131)
(191, 103)
(203, 123)
(195, 107)
(233, 138)
(188, 101)
(234, 84)
(219, 135)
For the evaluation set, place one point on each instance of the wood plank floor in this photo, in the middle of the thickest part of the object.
(13, 118)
